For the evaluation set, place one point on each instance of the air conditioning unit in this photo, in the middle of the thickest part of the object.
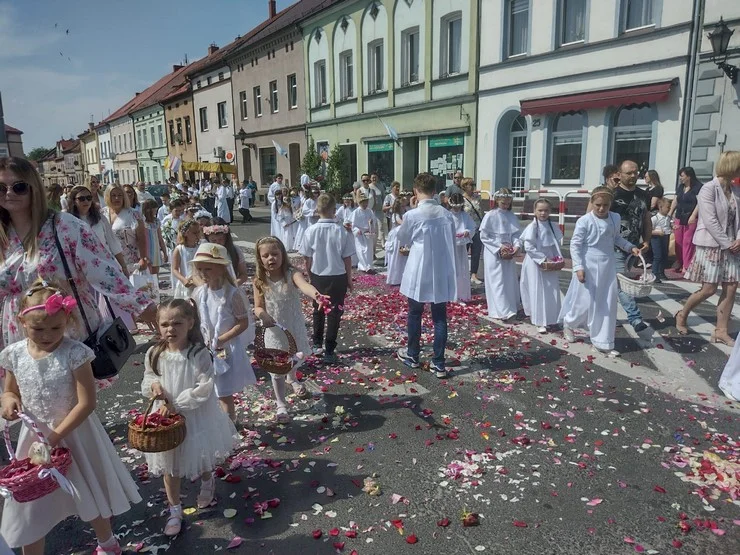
(219, 152)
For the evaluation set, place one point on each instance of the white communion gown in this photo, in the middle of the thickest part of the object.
(500, 227)
(283, 303)
(463, 223)
(188, 382)
(729, 381)
(103, 484)
(395, 262)
(186, 269)
(365, 229)
(540, 289)
(593, 305)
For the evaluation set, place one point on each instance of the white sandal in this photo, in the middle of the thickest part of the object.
(282, 416)
(174, 523)
(207, 493)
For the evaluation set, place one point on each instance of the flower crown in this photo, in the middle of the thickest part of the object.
(213, 229)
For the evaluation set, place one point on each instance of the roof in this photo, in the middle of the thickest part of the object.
(149, 96)
(184, 86)
(68, 144)
(9, 129)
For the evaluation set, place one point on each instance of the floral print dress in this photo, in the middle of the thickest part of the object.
(93, 269)
(124, 226)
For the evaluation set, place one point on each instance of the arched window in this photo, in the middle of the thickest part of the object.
(633, 135)
(567, 142)
(518, 154)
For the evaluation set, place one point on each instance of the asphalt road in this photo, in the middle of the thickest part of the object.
(556, 448)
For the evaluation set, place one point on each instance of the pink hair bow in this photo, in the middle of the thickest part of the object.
(57, 302)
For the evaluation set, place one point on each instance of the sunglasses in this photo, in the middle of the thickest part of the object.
(19, 188)
(86, 198)
(366, 181)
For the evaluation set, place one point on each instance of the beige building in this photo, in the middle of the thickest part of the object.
(179, 118)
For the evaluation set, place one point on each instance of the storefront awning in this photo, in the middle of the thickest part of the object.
(212, 167)
(623, 96)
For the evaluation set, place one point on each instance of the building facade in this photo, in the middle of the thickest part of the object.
(89, 150)
(406, 64)
(106, 148)
(125, 166)
(569, 86)
(151, 143)
(180, 129)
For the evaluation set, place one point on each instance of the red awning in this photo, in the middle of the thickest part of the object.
(623, 96)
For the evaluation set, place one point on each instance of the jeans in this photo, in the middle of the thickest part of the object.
(634, 316)
(476, 248)
(659, 246)
(439, 317)
(336, 288)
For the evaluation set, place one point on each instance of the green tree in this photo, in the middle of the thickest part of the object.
(337, 173)
(37, 153)
(311, 164)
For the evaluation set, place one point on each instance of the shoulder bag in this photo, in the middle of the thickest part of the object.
(115, 344)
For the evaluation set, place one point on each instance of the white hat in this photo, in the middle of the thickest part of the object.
(212, 253)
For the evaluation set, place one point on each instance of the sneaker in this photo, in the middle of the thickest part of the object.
(568, 335)
(640, 326)
(438, 371)
(403, 356)
(475, 281)
(611, 353)
(317, 350)
(542, 329)
(331, 358)
(657, 280)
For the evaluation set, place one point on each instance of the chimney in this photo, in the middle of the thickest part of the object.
(2, 122)
(212, 48)
(272, 7)
(176, 67)
(91, 126)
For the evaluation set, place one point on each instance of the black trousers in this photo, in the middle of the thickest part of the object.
(476, 248)
(230, 204)
(246, 215)
(336, 288)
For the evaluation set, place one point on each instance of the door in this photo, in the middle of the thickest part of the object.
(410, 154)
(294, 155)
(350, 162)
(246, 163)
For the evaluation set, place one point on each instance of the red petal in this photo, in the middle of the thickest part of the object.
(444, 523)
(339, 545)
(359, 449)
(412, 539)
(520, 524)
(334, 532)
(677, 543)
(659, 489)
(317, 534)
(351, 533)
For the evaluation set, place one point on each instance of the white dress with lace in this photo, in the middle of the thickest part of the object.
(188, 382)
(48, 393)
(186, 269)
(283, 303)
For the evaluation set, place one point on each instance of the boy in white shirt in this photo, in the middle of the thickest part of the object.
(164, 210)
(429, 276)
(660, 239)
(328, 249)
(245, 199)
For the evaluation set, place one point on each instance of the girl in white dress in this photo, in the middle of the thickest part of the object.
(540, 287)
(499, 232)
(188, 237)
(365, 229)
(49, 377)
(395, 262)
(288, 223)
(277, 302)
(591, 300)
(344, 217)
(222, 203)
(179, 373)
(729, 381)
(464, 231)
(224, 313)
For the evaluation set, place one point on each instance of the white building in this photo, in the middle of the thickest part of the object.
(125, 167)
(568, 86)
(106, 162)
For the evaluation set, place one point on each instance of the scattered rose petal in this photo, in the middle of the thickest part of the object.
(411, 539)
(236, 542)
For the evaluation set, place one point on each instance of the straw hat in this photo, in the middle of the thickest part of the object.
(212, 253)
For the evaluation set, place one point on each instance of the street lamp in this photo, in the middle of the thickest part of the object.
(242, 138)
(720, 40)
(151, 154)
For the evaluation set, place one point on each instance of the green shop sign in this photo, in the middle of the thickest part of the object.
(380, 147)
(441, 142)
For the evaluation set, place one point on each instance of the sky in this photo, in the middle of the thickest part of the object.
(63, 62)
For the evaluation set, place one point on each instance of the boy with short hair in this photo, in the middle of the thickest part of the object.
(660, 239)
(328, 249)
(429, 276)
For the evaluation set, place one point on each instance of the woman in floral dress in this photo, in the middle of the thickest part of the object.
(24, 213)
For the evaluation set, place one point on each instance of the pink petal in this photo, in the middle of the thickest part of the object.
(236, 542)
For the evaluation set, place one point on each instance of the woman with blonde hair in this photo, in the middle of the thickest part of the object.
(717, 240)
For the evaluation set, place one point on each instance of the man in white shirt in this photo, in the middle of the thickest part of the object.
(164, 210)
(328, 249)
(429, 276)
(142, 194)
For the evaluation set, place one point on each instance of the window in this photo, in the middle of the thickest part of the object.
(130, 141)
(171, 125)
(410, 56)
(203, 112)
(375, 72)
(145, 140)
(178, 137)
(197, 84)
(518, 27)
(518, 155)
(292, 91)
(571, 21)
(567, 140)
(451, 39)
(221, 109)
(188, 130)
(118, 142)
(633, 135)
(637, 13)
(155, 171)
(208, 80)
(274, 107)
(346, 75)
(319, 70)
(160, 134)
(151, 131)
(220, 75)
(243, 104)
(148, 173)
(257, 102)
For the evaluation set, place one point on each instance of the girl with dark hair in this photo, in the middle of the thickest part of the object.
(686, 212)
(654, 189)
(219, 232)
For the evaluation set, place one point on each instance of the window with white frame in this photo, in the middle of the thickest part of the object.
(243, 107)
(257, 93)
(567, 143)
(160, 134)
(637, 13)
(410, 56)
(517, 27)
(292, 91)
(203, 113)
(346, 75)
(151, 131)
(518, 155)
(633, 135)
(274, 106)
(571, 21)
(451, 44)
(222, 116)
(188, 130)
(130, 140)
(375, 73)
(155, 171)
(319, 79)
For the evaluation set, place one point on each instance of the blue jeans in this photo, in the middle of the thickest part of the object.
(627, 301)
(439, 317)
(659, 246)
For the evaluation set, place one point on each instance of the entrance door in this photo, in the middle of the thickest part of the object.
(268, 165)
(410, 162)
(294, 155)
(247, 163)
(350, 163)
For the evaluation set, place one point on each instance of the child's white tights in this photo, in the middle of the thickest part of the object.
(278, 386)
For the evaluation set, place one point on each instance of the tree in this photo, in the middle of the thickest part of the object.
(337, 176)
(311, 164)
(37, 153)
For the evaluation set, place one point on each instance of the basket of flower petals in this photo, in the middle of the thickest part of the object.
(274, 361)
(506, 251)
(38, 475)
(553, 264)
(156, 432)
(404, 251)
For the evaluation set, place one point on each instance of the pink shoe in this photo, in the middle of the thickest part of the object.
(174, 523)
(115, 550)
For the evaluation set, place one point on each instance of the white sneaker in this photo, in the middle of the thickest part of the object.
(611, 353)
(542, 329)
(317, 350)
(568, 335)
(475, 280)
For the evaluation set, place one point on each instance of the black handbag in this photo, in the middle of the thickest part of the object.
(115, 345)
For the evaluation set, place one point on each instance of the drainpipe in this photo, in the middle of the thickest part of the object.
(691, 83)
(476, 81)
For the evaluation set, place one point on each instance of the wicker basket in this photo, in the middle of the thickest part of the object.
(640, 287)
(148, 439)
(552, 266)
(274, 361)
(38, 480)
